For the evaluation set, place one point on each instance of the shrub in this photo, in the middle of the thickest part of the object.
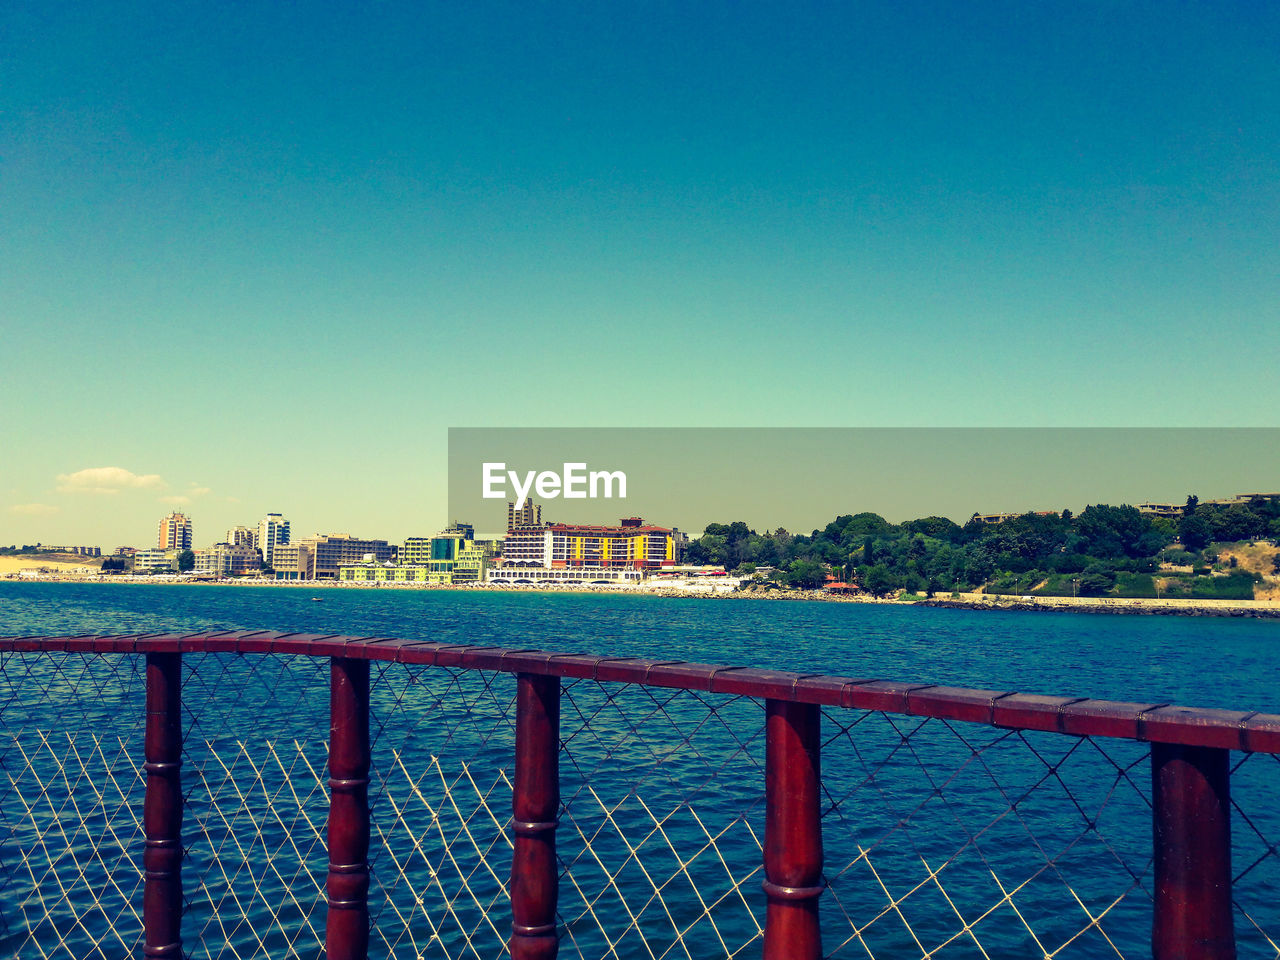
(1235, 586)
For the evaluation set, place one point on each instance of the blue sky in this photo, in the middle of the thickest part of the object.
(267, 254)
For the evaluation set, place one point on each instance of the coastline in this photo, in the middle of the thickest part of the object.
(1257, 609)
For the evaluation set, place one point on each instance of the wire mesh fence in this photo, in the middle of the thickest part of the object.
(71, 826)
(942, 838)
(946, 839)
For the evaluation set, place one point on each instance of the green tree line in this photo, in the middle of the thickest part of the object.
(1104, 549)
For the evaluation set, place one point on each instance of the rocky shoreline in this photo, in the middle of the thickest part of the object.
(1146, 608)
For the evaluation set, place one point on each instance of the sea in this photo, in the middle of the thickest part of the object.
(941, 839)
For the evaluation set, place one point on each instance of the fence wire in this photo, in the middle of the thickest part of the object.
(942, 839)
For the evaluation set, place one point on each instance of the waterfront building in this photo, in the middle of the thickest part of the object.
(175, 532)
(383, 573)
(290, 560)
(415, 551)
(273, 530)
(155, 560)
(242, 537)
(451, 557)
(455, 558)
(320, 557)
(227, 560)
(631, 544)
(543, 576)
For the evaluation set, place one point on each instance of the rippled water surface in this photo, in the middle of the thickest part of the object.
(1207, 661)
(1032, 839)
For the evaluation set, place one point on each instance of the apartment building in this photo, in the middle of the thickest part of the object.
(227, 560)
(273, 530)
(174, 532)
(321, 557)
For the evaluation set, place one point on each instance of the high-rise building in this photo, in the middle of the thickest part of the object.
(530, 515)
(272, 532)
(175, 532)
(242, 537)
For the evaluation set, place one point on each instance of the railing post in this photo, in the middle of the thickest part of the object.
(1191, 814)
(162, 808)
(535, 804)
(346, 929)
(792, 831)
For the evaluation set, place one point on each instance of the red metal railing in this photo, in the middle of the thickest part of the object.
(633, 857)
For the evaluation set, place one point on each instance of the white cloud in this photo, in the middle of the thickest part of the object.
(107, 480)
(177, 500)
(33, 509)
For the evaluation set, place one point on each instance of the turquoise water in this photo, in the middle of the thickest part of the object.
(661, 790)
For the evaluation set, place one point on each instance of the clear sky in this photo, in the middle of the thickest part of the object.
(260, 256)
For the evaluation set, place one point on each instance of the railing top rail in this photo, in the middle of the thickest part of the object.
(1081, 716)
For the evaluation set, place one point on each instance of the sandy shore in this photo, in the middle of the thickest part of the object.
(13, 565)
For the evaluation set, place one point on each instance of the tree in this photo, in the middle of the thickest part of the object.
(1237, 522)
(716, 546)
(1097, 578)
(1195, 531)
(1118, 532)
(186, 561)
(937, 528)
(878, 580)
(806, 574)
(1093, 584)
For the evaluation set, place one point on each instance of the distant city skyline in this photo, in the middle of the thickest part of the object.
(799, 479)
(264, 259)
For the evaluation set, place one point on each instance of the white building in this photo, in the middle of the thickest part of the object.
(581, 576)
(226, 559)
(272, 531)
(155, 561)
